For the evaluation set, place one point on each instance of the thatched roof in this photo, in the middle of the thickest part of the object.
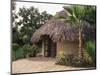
(57, 30)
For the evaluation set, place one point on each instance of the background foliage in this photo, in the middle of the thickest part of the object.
(24, 24)
(27, 20)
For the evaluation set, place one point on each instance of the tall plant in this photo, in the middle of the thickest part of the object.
(76, 16)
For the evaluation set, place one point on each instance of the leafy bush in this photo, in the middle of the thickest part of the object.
(30, 50)
(15, 46)
(88, 58)
(19, 53)
(25, 39)
(91, 50)
(71, 60)
(79, 62)
(26, 50)
(60, 59)
(35, 49)
(64, 59)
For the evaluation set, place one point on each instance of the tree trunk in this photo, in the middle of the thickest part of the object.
(80, 43)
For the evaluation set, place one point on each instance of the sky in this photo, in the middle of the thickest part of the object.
(50, 8)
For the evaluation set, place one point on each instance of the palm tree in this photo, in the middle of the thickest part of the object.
(75, 16)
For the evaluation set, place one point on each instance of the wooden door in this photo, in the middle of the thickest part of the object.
(53, 49)
(49, 47)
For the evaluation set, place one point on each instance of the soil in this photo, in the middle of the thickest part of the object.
(39, 64)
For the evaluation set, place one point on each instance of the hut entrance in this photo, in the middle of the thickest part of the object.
(49, 47)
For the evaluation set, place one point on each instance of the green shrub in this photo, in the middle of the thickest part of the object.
(60, 59)
(35, 49)
(19, 53)
(88, 58)
(64, 59)
(15, 47)
(13, 55)
(79, 62)
(26, 50)
(91, 50)
(71, 60)
(30, 50)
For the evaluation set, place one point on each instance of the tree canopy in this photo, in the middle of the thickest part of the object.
(29, 19)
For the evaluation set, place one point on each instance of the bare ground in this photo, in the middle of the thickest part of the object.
(38, 64)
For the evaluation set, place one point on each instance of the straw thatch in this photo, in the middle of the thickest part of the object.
(57, 30)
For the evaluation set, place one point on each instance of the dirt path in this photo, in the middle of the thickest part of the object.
(38, 64)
